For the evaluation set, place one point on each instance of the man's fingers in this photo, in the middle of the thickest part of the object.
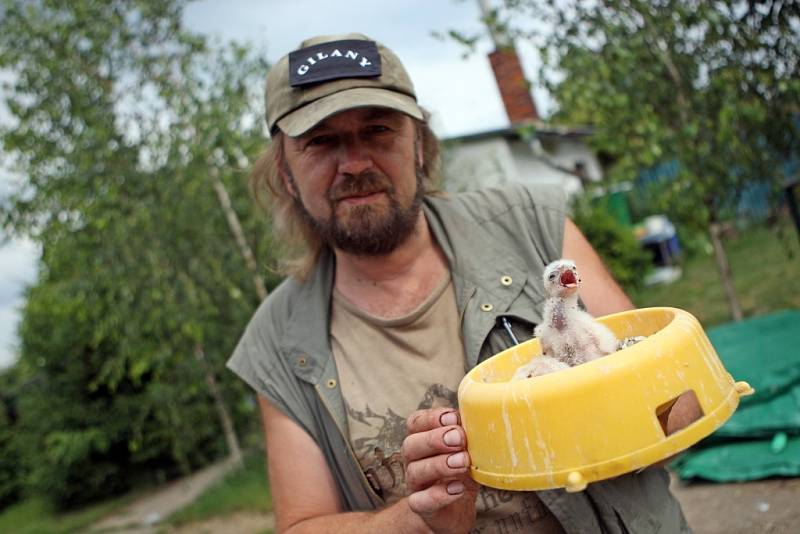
(433, 499)
(425, 472)
(684, 412)
(440, 440)
(424, 420)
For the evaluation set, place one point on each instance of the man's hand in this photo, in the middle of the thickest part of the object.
(684, 412)
(437, 471)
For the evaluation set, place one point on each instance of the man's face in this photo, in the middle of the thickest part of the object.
(355, 177)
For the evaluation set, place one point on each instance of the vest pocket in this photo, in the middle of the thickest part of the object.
(499, 339)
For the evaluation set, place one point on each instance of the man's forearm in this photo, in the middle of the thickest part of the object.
(397, 517)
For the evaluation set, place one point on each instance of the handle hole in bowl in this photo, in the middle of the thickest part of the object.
(687, 406)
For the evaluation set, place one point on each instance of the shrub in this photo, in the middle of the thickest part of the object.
(9, 475)
(10, 471)
(615, 243)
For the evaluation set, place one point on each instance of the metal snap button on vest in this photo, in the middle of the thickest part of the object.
(331, 383)
(506, 281)
(487, 307)
(301, 361)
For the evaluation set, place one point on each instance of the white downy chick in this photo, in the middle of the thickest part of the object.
(540, 365)
(568, 335)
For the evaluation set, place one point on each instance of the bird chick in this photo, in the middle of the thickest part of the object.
(630, 341)
(568, 335)
(540, 365)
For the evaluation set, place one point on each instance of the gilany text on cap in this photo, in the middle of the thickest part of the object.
(333, 73)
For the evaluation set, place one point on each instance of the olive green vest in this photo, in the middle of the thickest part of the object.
(490, 238)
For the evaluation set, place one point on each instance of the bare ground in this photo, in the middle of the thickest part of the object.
(763, 506)
(760, 507)
(143, 515)
(238, 523)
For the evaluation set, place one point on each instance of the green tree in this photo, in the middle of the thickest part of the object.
(621, 252)
(713, 86)
(134, 137)
(11, 476)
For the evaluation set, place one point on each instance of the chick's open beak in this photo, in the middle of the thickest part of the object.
(568, 279)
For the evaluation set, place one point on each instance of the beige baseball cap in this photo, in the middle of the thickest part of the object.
(333, 73)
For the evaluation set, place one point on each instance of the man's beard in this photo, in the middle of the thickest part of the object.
(366, 230)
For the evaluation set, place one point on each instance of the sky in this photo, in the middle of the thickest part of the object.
(461, 93)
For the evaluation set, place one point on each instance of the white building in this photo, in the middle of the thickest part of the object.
(528, 151)
(550, 155)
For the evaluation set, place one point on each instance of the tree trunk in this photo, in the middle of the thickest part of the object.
(222, 412)
(261, 290)
(724, 271)
(499, 37)
(238, 234)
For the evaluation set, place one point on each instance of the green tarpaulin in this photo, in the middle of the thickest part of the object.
(762, 438)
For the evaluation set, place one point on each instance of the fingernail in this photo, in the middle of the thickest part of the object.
(449, 418)
(455, 487)
(458, 459)
(452, 438)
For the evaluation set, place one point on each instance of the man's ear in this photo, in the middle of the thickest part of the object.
(283, 171)
(288, 182)
(419, 152)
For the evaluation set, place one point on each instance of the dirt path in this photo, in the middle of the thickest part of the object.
(763, 506)
(143, 515)
(239, 523)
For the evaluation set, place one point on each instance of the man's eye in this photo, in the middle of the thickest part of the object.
(377, 128)
(320, 140)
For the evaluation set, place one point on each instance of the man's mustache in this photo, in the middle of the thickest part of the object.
(362, 184)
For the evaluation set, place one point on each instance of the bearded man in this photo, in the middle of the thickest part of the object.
(394, 292)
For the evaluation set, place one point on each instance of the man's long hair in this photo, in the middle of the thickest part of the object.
(300, 243)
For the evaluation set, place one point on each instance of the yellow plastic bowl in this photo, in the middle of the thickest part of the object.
(597, 420)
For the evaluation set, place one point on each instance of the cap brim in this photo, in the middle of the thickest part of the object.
(301, 120)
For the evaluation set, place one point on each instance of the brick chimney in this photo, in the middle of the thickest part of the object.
(514, 88)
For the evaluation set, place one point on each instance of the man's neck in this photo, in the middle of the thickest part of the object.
(394, 284)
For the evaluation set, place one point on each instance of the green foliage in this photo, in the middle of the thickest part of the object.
(709, 85)
(120, 121)
(615, 243)
(10, 473)
(9, 459)
(87, 438)
(37, 516)
(712, 86)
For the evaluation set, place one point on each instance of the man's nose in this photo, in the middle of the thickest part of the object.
(354, 158)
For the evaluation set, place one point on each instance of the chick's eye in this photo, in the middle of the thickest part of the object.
(552, 276)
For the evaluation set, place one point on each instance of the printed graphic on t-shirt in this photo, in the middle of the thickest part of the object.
(378, 452)
(387, 432)
(509, 512)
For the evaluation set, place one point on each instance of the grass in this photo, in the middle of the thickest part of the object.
(766, 275)
(36, 516)
(244, 490)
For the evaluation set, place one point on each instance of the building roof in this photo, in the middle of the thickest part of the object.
(512, 133)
